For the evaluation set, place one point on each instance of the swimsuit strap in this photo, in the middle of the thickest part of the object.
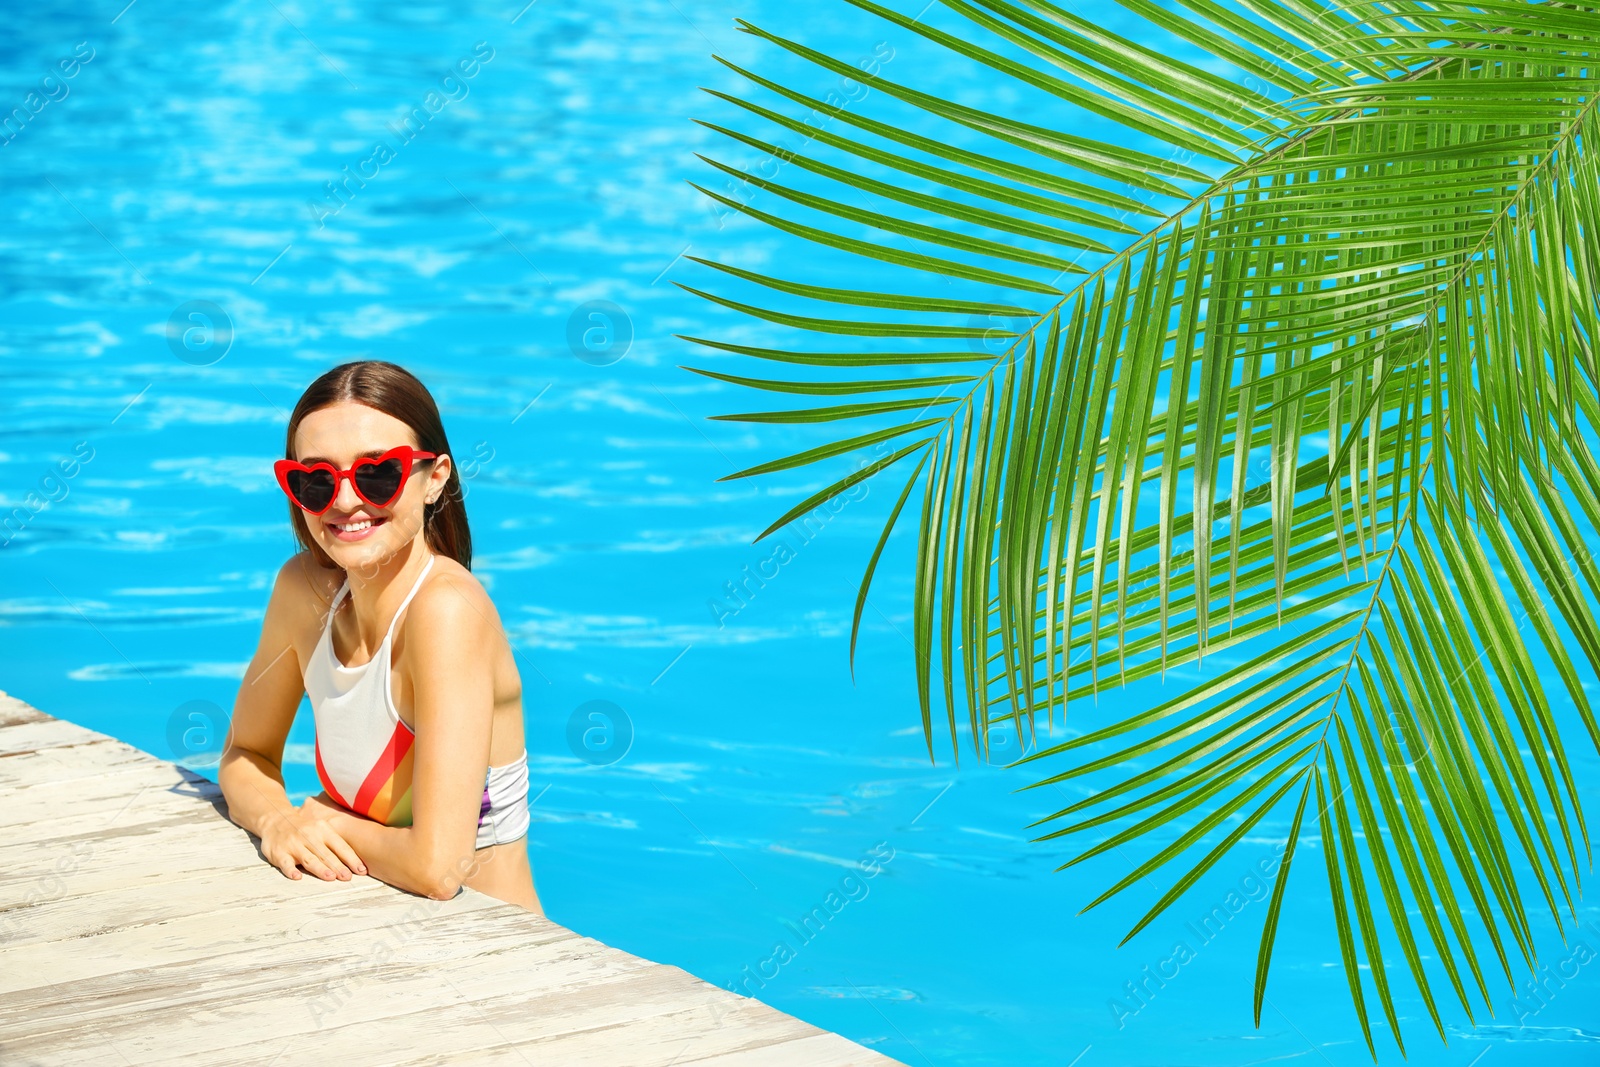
(333, 606)
(345, 588)
(415, 586)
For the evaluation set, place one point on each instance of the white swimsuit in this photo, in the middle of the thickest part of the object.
(366, 764)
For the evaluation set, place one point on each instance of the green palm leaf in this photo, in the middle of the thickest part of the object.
(1329, 411)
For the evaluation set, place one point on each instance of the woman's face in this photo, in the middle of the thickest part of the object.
(355, 534)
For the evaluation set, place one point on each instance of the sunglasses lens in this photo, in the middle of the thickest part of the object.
(379, 482)
(312, 490)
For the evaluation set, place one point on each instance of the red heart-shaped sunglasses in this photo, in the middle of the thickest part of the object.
(376, 479)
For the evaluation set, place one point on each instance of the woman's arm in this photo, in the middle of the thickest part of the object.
(251, 770)
(449, 660)
(391, 853)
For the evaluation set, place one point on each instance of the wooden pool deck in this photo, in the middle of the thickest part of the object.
(138, 925)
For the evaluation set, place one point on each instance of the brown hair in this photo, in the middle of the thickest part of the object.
(394, 391)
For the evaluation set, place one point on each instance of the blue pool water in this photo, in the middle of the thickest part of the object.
(189, 161)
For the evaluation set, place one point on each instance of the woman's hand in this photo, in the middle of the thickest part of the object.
(309, 838)
(319, 808)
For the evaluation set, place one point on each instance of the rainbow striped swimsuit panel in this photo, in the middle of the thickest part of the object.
(364, 749)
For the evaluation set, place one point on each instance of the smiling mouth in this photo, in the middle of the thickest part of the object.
(355, 529)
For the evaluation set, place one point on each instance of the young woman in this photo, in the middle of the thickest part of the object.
(413, 686)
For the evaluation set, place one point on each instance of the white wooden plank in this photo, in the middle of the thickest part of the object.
(13, 711)
(745, 1034)
(108, 860)
(80, 788)
(320, 984)
(32, 736)
(819, 1049)
(139, 926)
(147, 806)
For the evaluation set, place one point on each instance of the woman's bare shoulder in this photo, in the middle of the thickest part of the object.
(462, 626)
(304, 588)
(453, 595)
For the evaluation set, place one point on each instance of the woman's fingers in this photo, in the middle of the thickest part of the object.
(320, 851)
(302, 851)
(328, 864)
(283, 859)
(287, 866)
(342, 849)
